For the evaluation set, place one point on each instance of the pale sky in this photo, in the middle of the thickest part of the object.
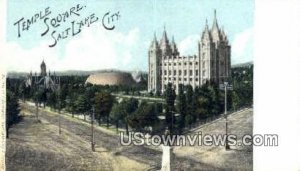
(126, 46)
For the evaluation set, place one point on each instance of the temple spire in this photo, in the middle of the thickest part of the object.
(215, 14)
(154, 42)
(215, 23)
(165, 37)
(173, 44)
(174, 47)
(206, 34)
(155, 36)
(164, 43)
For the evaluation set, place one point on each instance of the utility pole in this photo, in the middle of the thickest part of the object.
(172, 130)
(59, 126)
(23, 96)
(226, 87)
(36, 103)
(92, 129)
(37, 110)
(59, 107)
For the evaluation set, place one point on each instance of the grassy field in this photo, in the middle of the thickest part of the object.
(38, 146)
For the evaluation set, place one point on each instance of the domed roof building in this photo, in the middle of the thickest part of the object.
(111, 78)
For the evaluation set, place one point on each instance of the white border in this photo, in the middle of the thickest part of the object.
(277, 83)
(276, 76)
(2, 85)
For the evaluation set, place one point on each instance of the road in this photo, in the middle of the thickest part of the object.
(152, 99)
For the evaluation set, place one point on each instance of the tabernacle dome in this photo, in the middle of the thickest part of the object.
(111, 78)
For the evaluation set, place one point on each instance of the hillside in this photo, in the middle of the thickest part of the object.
(238, 157)
(38, 146)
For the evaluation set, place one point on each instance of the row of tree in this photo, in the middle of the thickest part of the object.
(12, 110)
(141, 116)
(178, 112)
(191, 106)
(195, 105)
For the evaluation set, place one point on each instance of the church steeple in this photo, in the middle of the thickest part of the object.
(43, 69)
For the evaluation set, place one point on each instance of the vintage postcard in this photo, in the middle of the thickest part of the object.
(129, 85)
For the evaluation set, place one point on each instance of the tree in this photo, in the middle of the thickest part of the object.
(52, 100)
(242, 80)
(203, 107)
(151, 94)
(12, 110)
(144, 116)
(235, 100)
(43, 97)
(116, 114)
(170, 96)
(82, 105)
(39, 96)
(202, 102)
(70, 103)
(181, 107)
(128, 107)
(190, 103)
(90, 94)
(22, 91)
(63, 95)
(103, 105)
(158, 108)
(122, 112)
(213, 101)
(189, 120)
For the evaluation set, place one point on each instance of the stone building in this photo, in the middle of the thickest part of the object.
(43, 80)
(210, 64)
